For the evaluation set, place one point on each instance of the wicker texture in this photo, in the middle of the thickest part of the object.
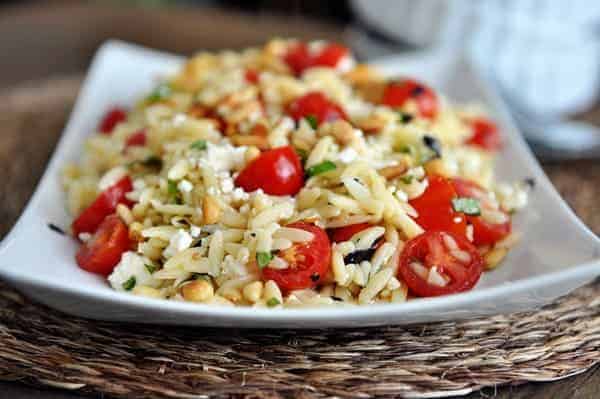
(45, 347)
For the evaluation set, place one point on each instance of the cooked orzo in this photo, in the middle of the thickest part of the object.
(288, 175)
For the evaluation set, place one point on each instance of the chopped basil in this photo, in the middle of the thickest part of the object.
(198, 145)
(407, 179)
(466, 205)
(129, 284)
(151, 268)
(173, 191)
(263, 258)
(312, 121)
(161, 92)
(407, 149)
(151, 162)
(319, 168)
(273, 302)
(359, 255)
(303, 154)
(404, 117)
(433, 144)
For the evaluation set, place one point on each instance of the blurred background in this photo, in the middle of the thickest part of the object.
(542, 55)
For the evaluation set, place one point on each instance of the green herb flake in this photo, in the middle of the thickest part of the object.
(151, 268)
(129, 284)
(407, 149)
(407, 179)
(320, 168)
(173, 192)
(263, 259)
(273, 302)
(198, 145)
(466, 205)
(303, 154)
(312, 121)
(161, 92)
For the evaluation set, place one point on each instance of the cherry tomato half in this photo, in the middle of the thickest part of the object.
(251, 76)
(307, 262)
(276, 172)
(101, 253)
(435, 209)
(136, 139)
(315, 104)
(455, 259)
(299, 56)
(485, 135)
(397, 93)
(484, 232)
(345, 233)
(105, 204)
(111, 119)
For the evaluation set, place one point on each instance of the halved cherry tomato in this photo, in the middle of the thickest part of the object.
(307, 262)
(136, 139)
(299, 57)
(330, 55)
(101, 253)
(484, 232)
(276, 172)
(111, 119)
(397, 93)
(460, 269)
(251, 76)
(317, 105)
(105, 204)
(345, 233)
(435, 209)
(485, 135)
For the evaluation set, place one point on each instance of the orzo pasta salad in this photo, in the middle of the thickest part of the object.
(287, 176)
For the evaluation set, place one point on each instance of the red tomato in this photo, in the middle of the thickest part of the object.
(307, 262)
(345, 233)
(331, 55)
(315, 104)
(431, 249)
(136, 139)
(484, 232)
(276, 172)
(103, 251)
(435, 209)
(485, 135)
(251, 76)
(299, 57)
(105, 204)
(397, 93)
(111, 119)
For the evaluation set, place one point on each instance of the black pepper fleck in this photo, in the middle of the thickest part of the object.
(433, 144)
(315, 277)
(417, 91)
(530, 181)
(337, 298)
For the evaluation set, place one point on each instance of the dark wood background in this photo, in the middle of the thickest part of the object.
(41, 41)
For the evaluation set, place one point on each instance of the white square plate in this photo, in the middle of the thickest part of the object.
(556, 255)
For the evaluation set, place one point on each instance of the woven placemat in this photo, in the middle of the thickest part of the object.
(44, 347)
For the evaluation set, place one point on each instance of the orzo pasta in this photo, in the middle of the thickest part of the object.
(288, 176)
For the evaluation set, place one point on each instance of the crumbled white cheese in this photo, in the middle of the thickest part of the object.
(132, 265)
(239, 195)
(195, 231)
(346, 64)
(227, 185)
(83, 237)
(185, 186)
(178, 242)
(348, 155)
(222, 157)
(111, 177)
(179, 119)
(139, 184)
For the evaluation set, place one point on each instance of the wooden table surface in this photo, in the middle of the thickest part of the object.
(71, 33)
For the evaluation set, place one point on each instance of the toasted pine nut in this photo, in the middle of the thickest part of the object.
(148, 292)
(391, 172)
(211, 210)
(253, 291)
(342, 131)
(494, 257)
(198, 291)
(373, 124)
(437, 167)
(251, 154)
(258, 141)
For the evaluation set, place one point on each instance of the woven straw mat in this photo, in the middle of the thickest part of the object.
(48, 348)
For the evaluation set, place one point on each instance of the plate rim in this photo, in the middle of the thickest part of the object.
(359, 314)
